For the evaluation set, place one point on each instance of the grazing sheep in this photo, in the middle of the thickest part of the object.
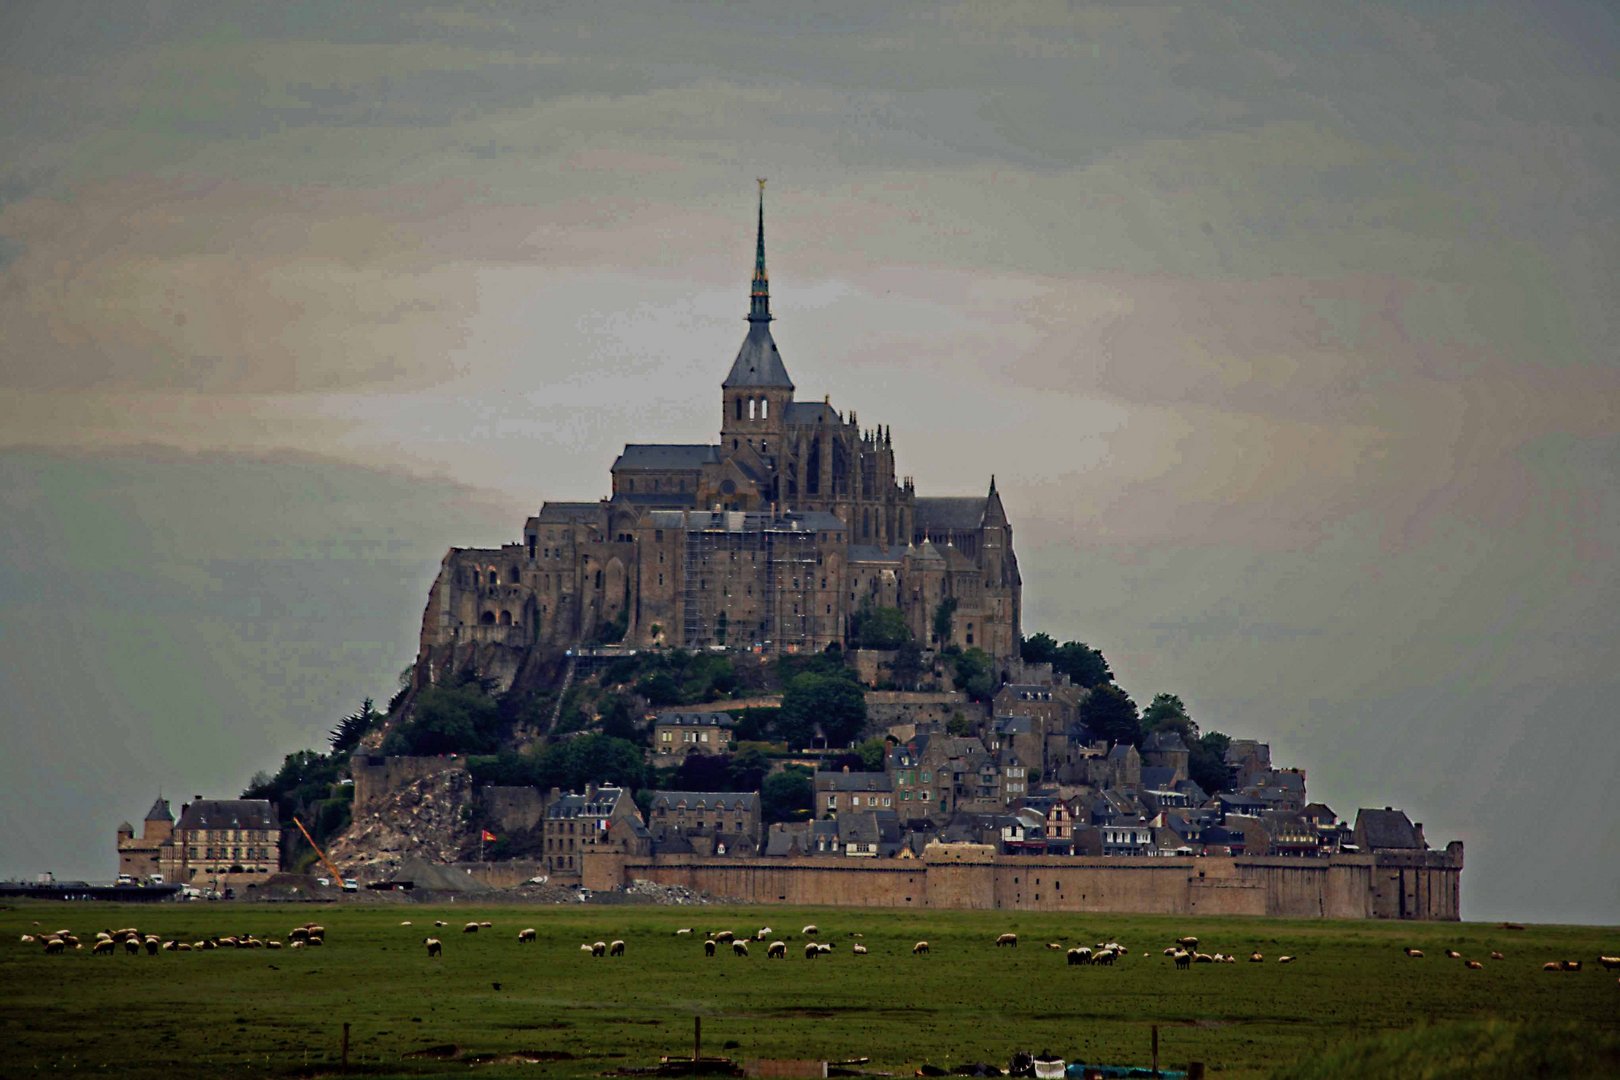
(132, 946)
(1079, 955)
(810, 950)
(708, 947)
(526, 936)
(1104, 956)
(1183, 960)
(858, 949)
(1172, 950)
(777, 950)
(435, 947)
(1453, 954)
(1497, 956)
(315, 931)
(1203, 958)
(1256, 957)
(1008, 939)
(440, 922)
(810, 931)
(104, 947)
(1609, 962)
(683, 930)
(616, 949)
(762, 933)
(486, 924)
(28, 939)
(405, 922)
(1552, 965)
(599, 949)
(585, 947)
(920, 949)
(272, 944)
(1285, 959)
(298, 943)
(1571, 965)
(1054, 945)
(1416, 954)
(54, 945)
(1474, 965)
(298, 933)
(739, 948)
(470, 928)
(827, 948)
(316, 941)
(725, 937)
(1189, 943)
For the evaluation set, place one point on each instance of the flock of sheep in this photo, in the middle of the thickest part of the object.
(1184, 953)
(133, 941)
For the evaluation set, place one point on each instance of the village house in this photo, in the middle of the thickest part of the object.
(577, 822)
(837, 792)
(677, 734)
(225, 843)
(708, 822)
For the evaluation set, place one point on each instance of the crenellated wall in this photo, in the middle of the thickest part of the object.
(973, 877)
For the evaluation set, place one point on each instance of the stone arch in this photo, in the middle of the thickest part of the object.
(512, 574)
(612, 578)
(494, 576)
(764, 408)
(505, 618)
(487, 618)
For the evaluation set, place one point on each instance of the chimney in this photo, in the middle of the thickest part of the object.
(196, 798)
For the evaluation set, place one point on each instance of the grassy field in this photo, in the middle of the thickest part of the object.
(1351, 1001)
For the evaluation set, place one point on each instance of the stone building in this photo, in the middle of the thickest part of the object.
(224, 844)
(147, 854)
(677, 734)
(770, 538)
(706, 822)
(600, 818)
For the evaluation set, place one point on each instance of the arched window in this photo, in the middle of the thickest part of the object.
(487, 618)
(764, 408)
(506, 618)
(739, 408)
(750, 408)
(512, 574)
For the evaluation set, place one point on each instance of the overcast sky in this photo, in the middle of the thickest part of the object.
(1288, 331)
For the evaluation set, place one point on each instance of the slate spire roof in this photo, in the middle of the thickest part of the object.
(758, 363)
(160, 811)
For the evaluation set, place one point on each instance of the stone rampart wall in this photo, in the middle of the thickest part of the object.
(375, 777)
(1343, 887)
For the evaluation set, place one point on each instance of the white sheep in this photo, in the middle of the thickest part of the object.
(683, 930)
(858, 949)
(1007, 939)
(526, 936)
(810, 931)
(739, 948)
(435, 947)
(616, 949)
(776, 950)
(470, 928)
(811, 951)
(920, 949)
(599, 949)
(708, 947)
(585, 947)
(762, 933)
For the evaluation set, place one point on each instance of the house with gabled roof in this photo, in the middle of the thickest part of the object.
(677, 734)
(710, 822)
(578, 822)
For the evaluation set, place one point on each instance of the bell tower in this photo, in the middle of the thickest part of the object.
(757, 392)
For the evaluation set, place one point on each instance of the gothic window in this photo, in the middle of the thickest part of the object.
(750, 408)
(739, 415)
(764, 408)
(512, 574)
(494, 578)
(487, 618)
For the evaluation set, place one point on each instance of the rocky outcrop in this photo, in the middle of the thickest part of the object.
(429, 818)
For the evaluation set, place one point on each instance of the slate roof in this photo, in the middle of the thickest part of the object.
(811, 412)
(748, 801)
(160, 811)
(698, 719)
(853, 781)
(871, 553)
(1013, 725)
(665, 456)
(662, 499)
(575, 804)
(942, 512)
(1158, 778)
(1163, 742)
(758, 362)
(228, 814)
(1386, 829)
(567, 513)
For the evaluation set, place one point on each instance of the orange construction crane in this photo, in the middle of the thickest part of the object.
(337, 875)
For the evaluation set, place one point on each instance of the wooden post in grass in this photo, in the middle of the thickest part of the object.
(1155, 1049)
(1195, 1070)
(345, 1045)
(697, 1037)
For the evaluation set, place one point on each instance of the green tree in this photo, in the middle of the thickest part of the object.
(944, 614)
(960, 725)
(347, 734)
(618, 718)
(975, 674)
(787, 795)
(874, 753)
(449, 719)
(908, 666)
(1038, 649)
(747, 769)
(1167, 712)
(1206, 762)
(877, 627)
(1111, 714)
(1080, 662)
(835, 703)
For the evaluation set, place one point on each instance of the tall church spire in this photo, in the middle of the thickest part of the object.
(759, 293)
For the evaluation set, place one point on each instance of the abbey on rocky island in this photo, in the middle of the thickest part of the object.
(771, 539)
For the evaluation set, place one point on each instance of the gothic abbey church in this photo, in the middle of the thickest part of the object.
(770, 540)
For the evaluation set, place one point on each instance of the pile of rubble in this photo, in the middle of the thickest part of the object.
(650, 892)
(425, 819)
